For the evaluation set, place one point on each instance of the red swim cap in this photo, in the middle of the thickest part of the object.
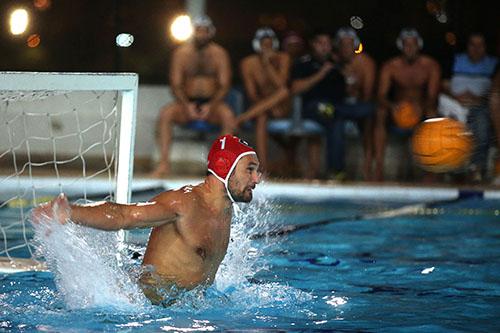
(225, 153)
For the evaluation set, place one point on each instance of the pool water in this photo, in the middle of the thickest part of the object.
(439, 271)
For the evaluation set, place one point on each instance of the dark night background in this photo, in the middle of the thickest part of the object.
(78, 35)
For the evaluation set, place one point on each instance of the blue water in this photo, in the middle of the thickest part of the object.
(439, 271)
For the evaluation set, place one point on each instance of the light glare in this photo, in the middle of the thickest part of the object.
(18, 21)
(360, 49)
(181, 28)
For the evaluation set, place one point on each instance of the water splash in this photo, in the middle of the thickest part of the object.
(245, 258)
(88, 274)
(84, 262)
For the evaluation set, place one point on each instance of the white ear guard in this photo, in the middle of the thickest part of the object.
(347, 32)
(204, 21)
(409, 33)
(264, 33)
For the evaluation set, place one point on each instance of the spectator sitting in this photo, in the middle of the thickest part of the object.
(414, 79)
(293, 44)
(265, 75)
(200, 76)
(359, 72)
(321, 85)
(470, 85)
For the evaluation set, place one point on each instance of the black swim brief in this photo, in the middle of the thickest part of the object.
(199, 101)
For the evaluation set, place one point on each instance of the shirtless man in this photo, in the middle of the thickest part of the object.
(265, 75)
(359, 72)
(200, 76)
(191, 225)
(414, 78)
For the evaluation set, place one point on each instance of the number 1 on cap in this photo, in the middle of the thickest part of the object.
(222, 143)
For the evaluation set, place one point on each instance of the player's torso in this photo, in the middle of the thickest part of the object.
(189, 251)
(200, 70)
(354, 73)
(265, 85)
(410, 80)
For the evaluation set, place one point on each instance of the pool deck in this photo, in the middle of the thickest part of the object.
(317, 189)
(313, 189)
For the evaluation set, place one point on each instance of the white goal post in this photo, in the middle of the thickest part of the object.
(50, 122)
(125, 83)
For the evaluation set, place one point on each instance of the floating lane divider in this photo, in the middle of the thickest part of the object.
(412, 209)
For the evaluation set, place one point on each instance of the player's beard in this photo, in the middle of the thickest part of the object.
(200, 44)
(411, 58)
(244, 195)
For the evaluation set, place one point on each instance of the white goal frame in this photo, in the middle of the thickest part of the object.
(127, 86)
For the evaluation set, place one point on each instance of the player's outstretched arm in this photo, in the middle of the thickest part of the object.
(107, 215)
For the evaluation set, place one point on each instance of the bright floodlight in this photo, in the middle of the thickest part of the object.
(18, 21)
(181, 28)
(124, 40)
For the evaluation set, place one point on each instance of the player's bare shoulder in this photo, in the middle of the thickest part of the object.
(184, 50)
(179, 200)
(391, 65)
(364, 59)
(428, 62)
(284, 58)
(250, 61)
(363, 62)
(217, 50)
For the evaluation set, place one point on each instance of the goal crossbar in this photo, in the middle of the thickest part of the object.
(125, 83)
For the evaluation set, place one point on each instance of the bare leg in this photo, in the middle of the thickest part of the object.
(264, 105)
(222, 115)
(314, 149)
(380, 141)
(261, 138)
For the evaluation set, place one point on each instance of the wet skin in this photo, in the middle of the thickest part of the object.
(191, 227)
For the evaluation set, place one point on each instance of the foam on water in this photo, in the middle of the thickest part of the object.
(88, 273)
(84, 262)
(245, 258)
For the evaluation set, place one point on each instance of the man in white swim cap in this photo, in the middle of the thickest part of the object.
(359, 71)
(191, 225)
(265, 76)
(200, 78)
(415, 80)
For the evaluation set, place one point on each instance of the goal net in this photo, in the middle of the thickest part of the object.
(61, 132)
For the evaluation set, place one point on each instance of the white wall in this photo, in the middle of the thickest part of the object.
(151, 99)
(54, 116)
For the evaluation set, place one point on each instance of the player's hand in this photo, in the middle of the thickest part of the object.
(192, 111)
(326, 68)
(205, 110)
(57, 209)
(267, 55)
